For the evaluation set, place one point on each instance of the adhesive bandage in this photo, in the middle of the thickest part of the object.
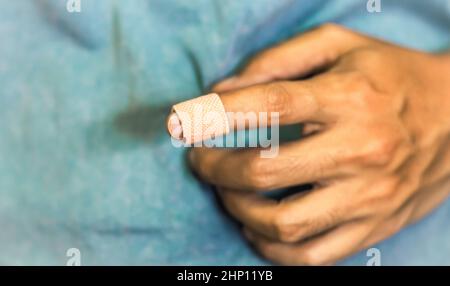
(198, 119)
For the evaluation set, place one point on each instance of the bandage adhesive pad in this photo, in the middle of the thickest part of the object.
(198, 119)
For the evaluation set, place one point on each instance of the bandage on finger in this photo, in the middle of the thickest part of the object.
(198, 119)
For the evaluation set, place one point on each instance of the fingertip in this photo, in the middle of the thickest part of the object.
(174, 126)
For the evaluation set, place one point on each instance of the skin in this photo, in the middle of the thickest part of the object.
(376, 145)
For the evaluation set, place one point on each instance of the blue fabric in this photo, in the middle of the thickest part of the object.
(85, 161)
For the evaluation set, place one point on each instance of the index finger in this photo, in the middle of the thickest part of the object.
(263, 105)
(291, 101)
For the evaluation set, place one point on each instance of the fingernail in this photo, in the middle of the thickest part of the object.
(174, 126)
(177, 131)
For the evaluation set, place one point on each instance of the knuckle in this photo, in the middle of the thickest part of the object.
(370, 55)
(278, 99)
(396, 195)
(383, 195)
(312, 257)
(378, 152)
(285, 229)
(359, 82)
(259, 173)
(358, 91)
(356, 76)
(289, 229)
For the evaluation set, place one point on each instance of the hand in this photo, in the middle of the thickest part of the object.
(377, 145)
